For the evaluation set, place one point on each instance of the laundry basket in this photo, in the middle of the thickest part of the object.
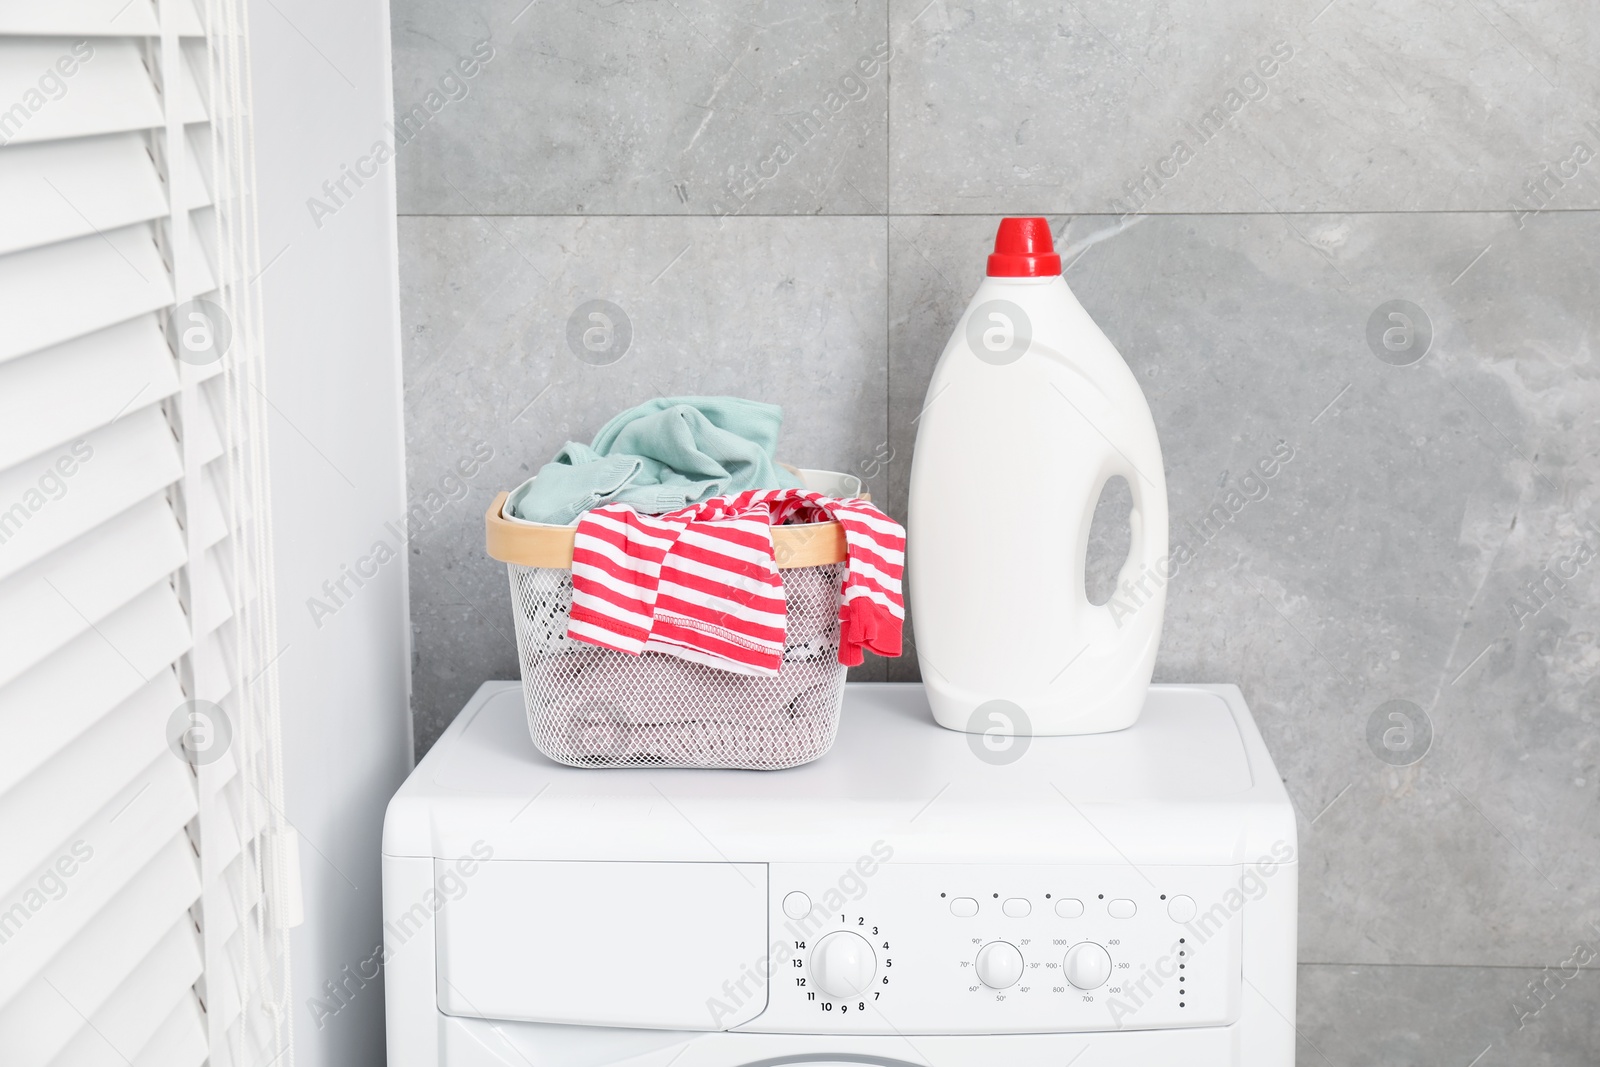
(593, 707)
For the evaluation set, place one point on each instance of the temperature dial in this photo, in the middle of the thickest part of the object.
(843, 964)
(1087, 965)
(999, 964)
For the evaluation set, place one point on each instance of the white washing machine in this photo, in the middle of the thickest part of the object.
(915, 897)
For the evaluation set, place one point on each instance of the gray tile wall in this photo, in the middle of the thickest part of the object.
(781, 212)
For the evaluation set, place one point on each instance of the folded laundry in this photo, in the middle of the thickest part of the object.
(801, 730)
(660, 456)
(702, 583)
(590, 706)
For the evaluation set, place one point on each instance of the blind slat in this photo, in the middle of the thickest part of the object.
(66, 290)
(224, 922)
(191, 100)
(125, 836)
(199, 373)
(213, 667)
(206, 511)
(228, 843)
(47, 398)
(180, 1042)
(134, 1013)
(187, 19)
(197, 149)
(109, 89)
(208, 438)
(222, 990)
(132, 648)
(56, 190)
(39, 817)
(42, 1018)
(210, 605)
(77, 18)
(200, 279)
(223, 768)
(44, 606)
(49, 501)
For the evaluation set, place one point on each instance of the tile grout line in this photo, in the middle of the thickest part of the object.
(888, 213)
(957, 214)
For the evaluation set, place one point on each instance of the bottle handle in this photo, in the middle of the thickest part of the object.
(1146, 544)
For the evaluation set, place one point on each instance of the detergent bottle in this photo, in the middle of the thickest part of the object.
(1030, 411)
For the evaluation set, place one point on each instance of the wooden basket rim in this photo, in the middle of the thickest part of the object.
(532, 544)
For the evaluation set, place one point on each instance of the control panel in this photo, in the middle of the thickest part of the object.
(933, 948)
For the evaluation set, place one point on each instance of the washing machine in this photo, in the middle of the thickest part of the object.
(915, 897)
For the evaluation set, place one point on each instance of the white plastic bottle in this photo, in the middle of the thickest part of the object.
(1030, 411)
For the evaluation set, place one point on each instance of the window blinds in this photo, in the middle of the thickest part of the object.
(147, 877)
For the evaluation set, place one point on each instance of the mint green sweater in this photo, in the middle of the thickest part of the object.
(664, 454)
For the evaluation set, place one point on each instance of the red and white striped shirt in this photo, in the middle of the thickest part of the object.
(702, 583)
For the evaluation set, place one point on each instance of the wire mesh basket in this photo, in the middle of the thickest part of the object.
(593, 707)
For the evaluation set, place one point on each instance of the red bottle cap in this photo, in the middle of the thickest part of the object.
(1023, 249)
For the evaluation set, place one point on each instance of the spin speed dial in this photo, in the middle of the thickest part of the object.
(843, 964)
(1087, 965)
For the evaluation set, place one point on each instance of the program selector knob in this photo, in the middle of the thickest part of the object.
(1087, 965)
(999, 964)
(843, 964)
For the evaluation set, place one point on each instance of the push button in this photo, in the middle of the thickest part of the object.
(1181, 909)
(1069, 908)
(1121, 908)
(1017, 907)
(964, 907)
(797, 905)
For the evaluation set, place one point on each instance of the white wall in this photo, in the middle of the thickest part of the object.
(322, 95)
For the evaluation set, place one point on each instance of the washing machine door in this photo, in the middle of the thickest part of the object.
(836, 1059)
(488, 1043)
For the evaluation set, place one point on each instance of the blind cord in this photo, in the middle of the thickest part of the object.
(264, 978)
